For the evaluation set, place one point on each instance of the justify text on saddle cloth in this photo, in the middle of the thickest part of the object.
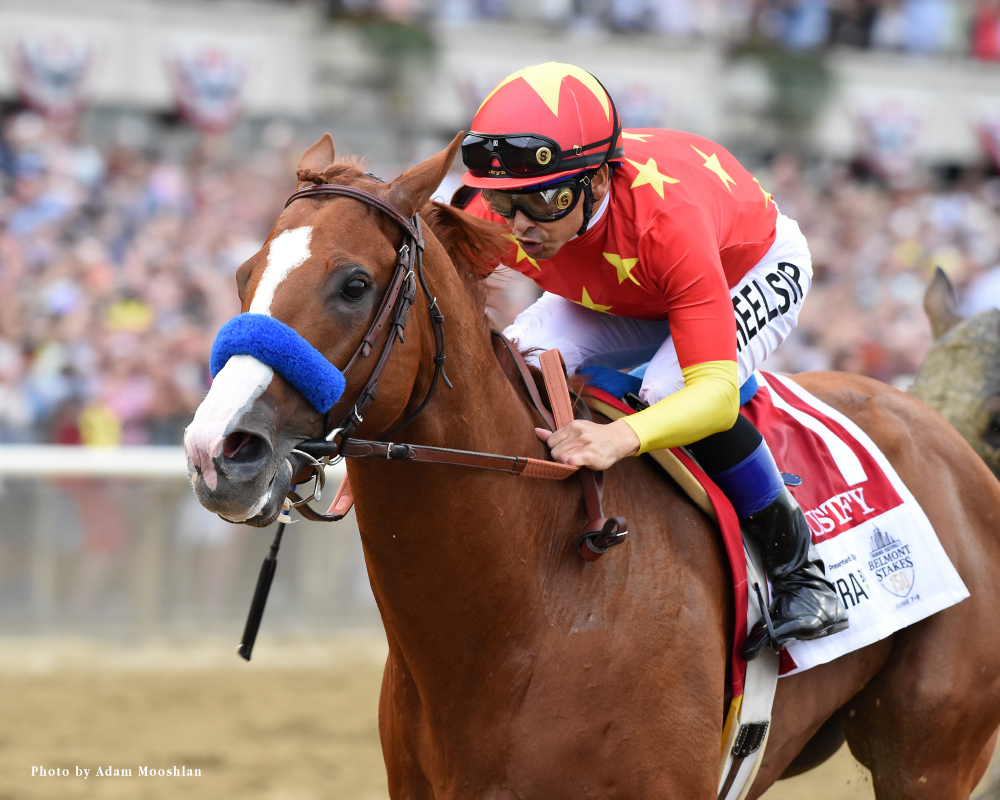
(766, 304)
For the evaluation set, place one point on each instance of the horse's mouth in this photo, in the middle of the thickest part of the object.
(268, 507)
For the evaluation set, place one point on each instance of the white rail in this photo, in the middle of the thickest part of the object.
(41, 461)
(53, 460)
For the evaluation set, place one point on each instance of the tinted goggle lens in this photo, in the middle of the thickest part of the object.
(545, 205)
(518, 155)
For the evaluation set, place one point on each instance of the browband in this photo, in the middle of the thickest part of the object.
(365, 197)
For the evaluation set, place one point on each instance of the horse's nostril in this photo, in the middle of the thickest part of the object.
(242, 447)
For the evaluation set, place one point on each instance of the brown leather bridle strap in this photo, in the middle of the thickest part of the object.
(513, 465)
(396, 451)
(380, 318)
(365, 197)
(399, 297)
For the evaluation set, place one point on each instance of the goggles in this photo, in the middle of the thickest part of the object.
(528, 154)
(542, 205)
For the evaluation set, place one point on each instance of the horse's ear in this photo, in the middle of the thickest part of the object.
(939, 304)
(318, 157)
(417, 185)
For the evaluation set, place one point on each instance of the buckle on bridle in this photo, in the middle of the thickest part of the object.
(319, 480)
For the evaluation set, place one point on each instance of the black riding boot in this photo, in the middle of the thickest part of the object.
(804, 603)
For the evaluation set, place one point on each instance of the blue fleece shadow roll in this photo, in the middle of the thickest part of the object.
(283, 350)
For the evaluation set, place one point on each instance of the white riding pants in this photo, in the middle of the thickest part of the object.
(766, 303)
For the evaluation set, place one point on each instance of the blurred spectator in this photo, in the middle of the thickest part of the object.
(986, 30)
(922, 27)
(915, 26)
(851, 22)
(799, 25)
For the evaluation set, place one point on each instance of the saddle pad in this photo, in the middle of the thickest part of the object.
(880, 550)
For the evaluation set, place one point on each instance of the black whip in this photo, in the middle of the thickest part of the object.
(260, 596)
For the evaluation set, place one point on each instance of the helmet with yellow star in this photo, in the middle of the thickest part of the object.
(541, 124)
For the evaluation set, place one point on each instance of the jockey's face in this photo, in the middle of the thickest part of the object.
(542, 240)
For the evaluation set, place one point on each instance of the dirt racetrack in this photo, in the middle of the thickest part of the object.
(298, 723)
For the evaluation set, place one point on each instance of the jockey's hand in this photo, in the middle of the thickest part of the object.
(587, 444)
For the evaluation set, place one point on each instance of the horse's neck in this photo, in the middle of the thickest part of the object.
(454, 552)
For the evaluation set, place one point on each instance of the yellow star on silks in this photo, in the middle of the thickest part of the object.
(712, 164)
(546, 79)
(768, 197)
(586, 302)
(521, 255)
(639, 136)
(650, 174)
(624, 267)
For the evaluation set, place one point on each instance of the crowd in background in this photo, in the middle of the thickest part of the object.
(914, 26)
(874, 251)
(116, 269)
(117, 265)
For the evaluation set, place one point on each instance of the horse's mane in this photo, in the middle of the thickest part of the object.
(473, 245)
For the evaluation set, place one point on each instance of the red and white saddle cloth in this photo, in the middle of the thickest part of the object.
(879, 547)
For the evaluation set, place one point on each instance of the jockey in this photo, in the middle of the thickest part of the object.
(646, 241)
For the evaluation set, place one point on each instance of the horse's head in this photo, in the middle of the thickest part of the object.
(309, 297)
(960, 378)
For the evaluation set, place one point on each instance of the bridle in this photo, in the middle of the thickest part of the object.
(396, 304)
(601, 533)
(338, 441)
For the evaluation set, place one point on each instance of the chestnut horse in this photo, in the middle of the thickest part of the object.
(516, 669)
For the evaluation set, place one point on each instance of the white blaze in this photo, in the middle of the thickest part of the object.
(287, 252)
(237, 385)
(243, 379)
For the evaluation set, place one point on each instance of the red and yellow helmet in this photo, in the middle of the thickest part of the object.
(538, 125)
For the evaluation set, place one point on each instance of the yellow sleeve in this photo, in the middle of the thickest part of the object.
(708, 403)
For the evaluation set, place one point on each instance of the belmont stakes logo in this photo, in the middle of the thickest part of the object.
(891, 563)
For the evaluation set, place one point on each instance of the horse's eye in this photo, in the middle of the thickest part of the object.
(355, 290)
